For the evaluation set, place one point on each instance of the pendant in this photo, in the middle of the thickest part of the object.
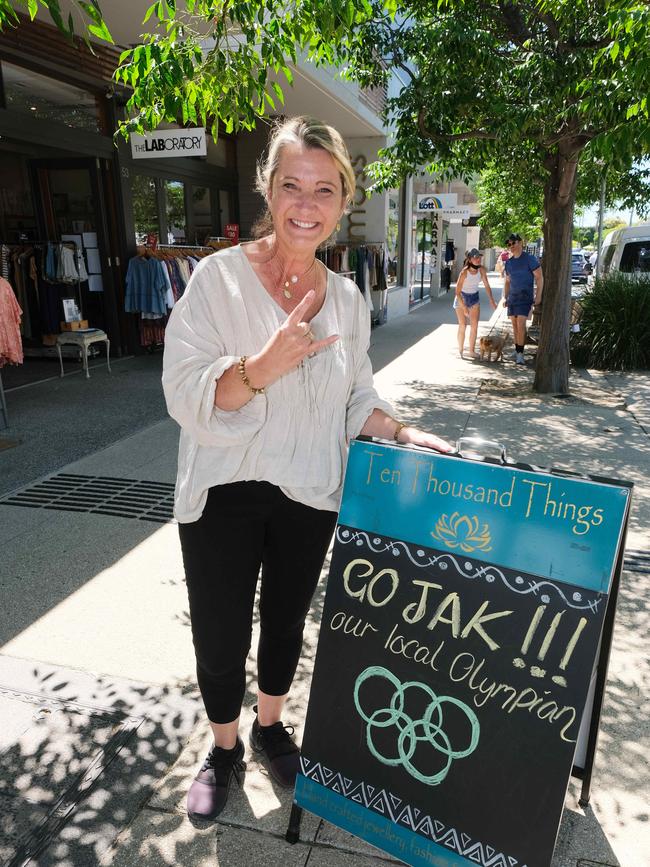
(286, 293)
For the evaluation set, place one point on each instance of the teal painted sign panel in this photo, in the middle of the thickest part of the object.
(464, 610)
(564, 529)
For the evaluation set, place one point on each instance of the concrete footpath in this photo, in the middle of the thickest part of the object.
(102, 726)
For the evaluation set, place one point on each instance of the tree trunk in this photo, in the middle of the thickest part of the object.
(552, 367)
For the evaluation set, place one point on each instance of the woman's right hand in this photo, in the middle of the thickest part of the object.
(287, 347)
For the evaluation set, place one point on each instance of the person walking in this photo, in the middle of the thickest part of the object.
(522, 289)
(450, 258)
(466, 303)
(503, 257)
(266, 370)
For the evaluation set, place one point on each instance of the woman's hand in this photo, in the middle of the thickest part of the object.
(415, 437)
(380, 424)
(493, 303)
(291, 343)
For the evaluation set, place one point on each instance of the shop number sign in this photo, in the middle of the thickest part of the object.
(463, 615)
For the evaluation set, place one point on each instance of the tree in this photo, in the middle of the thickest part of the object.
(525, 87)
(511, 202)
(88, 14)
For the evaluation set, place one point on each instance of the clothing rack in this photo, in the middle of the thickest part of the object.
(342, 243)
(180, 247)
(75, 249)
(43, 245)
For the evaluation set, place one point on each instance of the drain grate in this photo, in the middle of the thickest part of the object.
(100, 495)
(637, 561)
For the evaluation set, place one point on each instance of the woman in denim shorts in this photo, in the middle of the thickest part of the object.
(466, 302)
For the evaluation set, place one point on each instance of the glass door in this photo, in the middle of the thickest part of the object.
(69, 207)
(420, 270)
(74, 210)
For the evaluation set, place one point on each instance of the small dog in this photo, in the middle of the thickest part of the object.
(492, 344)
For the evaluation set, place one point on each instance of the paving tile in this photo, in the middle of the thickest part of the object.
(84, 753)
(17, 821)
(158, 839)
(258, 804)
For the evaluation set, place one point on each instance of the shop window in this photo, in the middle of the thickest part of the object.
(201, 214)
(17, 220)
(392, 239)
(71, 201)
(224, 208)
(35, 95)
(175, 212)
(145, 208)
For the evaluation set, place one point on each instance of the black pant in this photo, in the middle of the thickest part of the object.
(246, 525)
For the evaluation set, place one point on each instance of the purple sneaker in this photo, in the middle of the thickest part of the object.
(277, 744)
(208, 793)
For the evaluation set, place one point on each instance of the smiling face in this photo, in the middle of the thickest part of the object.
(306, 198)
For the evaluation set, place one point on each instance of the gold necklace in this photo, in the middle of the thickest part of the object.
(293, 279)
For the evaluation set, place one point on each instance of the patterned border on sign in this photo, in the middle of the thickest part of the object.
(520, 584)
(398, 811)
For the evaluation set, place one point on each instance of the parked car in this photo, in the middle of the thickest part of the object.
(627, 250)
(578, 262)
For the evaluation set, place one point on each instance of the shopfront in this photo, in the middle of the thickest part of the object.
(74, 204)
(57, 203)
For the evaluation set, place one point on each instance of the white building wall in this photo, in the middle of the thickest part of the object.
(368, 217)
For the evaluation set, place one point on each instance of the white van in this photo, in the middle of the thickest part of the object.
(627, 250)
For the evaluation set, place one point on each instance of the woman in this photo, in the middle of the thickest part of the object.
(466, 302)
(266, 370)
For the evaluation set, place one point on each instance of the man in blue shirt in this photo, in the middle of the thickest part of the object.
(522, 289)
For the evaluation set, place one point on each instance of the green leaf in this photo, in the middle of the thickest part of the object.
(278, 90)
(91, 11)
(150, 11)
(101, 31)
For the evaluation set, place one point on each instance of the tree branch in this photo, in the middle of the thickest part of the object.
(451, 137)
(516, 28)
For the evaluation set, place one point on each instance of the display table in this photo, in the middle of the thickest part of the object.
(83, 339)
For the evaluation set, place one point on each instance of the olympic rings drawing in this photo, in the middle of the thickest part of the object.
(428, 730)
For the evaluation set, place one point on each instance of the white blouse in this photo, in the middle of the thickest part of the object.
(295, 435)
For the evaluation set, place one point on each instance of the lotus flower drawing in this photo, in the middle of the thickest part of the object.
(461, 531)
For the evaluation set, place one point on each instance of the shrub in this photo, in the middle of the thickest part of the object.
(615, 323)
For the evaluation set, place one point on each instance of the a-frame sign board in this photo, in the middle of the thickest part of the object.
(462, 623)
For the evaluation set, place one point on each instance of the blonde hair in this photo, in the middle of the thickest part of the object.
(311, 133)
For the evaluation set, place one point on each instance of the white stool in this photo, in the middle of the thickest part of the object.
(83, 339)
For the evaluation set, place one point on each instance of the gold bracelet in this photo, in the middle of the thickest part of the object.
(400, 427)
(241, 367)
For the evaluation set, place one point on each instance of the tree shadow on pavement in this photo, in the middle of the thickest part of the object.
(80, 756)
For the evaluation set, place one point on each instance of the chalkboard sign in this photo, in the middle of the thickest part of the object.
(463, 614)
